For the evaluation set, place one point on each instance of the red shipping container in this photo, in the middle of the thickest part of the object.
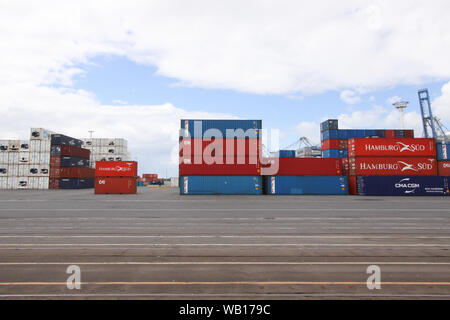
(115, 185)
(72, 151)
(219, 147)
(116, 169)
(53, 184)
(334, 144)
(444, 168)
(55, 172)
(392, 166)
(352, 185)
(236, 169)
(306, 166)
(149, 176)
(55, 161)
(399, 147)
(345, 166)
(390, 134)
(409, 133)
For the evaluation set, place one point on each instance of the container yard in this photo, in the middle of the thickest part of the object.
(238, 222)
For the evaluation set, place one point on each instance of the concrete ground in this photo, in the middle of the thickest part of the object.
(159, 245)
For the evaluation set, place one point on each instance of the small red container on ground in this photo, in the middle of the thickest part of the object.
(116, 169)
(115, 185)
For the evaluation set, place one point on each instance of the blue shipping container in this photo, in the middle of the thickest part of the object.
(60, 139)
(443, 151)
(74, 162)
(237, 185)
(296, 185)
(402, 186)
(287, 153)
(221, 128)
(329, 134)
(335, 153)
(76, 183)
(330, 124)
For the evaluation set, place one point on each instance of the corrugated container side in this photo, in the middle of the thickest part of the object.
(334, 144)
(402, 186)
(400, 147)
(335, 153)
(227, 185)
(197, 128)
(306, 166)
(116, 169)
(330, 124)
(393, 166)
(297, 185)
(444, 168)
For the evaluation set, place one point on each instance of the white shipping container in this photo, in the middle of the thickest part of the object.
(44, 170)
(33, 170)
(34, 158)
(3, 157)
(13, 170)
(23, 170)
(3, 183)
(45, 146)
(13, 158)
(4, 145)
(174, 182)
(24, 145)
(40, 134)
(13, 145)
(43, 183)
(35, 145)
(24, 157)
(11, 182)
(33, 183)
(3, 170)
(44, 158)
(22, 183)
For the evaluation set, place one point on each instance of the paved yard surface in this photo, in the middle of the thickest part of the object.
(158, 244)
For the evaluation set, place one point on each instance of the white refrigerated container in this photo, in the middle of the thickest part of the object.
(24, 157)
(44, 158)
(13, 158)
(23, 170)
(14, 145)
(43, 183)
(40, 134)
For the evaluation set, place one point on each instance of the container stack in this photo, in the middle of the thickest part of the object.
(69, 164)
(220, 157)
(24, 164)
(306, 176)
(116, 177)
(394, 166)
(106, 149)
(334, 140)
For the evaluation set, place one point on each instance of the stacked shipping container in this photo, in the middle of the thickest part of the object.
(106, 149)
(24, 164)
(69, 164)
(116, 177)
(395, 166)
(220, 157)
(334, 140)
(306, 176)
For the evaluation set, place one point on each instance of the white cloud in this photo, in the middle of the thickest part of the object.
(277, 47)
(151, 131)
(393, 100)
(350, 97)
(310, 130)
(118, 101)
(441, 105)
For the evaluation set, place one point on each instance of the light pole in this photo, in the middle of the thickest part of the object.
(401, 106)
